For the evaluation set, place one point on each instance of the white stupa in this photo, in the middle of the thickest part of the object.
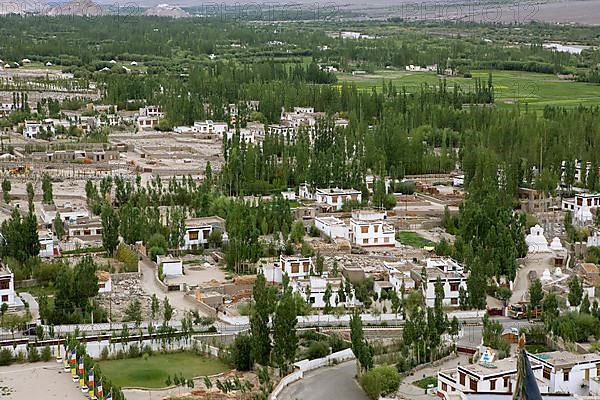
(556, 245)
(546, 276)
(536, 242)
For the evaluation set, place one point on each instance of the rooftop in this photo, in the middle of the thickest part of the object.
(561, 359)
(504, 366)
(204, 221)
(337, 191)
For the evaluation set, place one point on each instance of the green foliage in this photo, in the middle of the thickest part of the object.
(380, 381)
(20, 236)
(285, 340)
(241, 353)
(6, 356)
(48, 197)
(575, 291)
(6, 187)
(128, 257)
(110, 229)
(360, 347)
(318, 349)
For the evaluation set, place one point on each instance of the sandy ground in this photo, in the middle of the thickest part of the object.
(37, 381)
(534, 262)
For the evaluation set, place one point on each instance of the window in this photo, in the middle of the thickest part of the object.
(454, 287)
(566, 374)
(454, 301)
(312, 300)
(305, 267)
(365, 241)
(101, 285)
(5, 298)
(386, 240)
(76, 233)
(376, 228)
(98, 231)
(87, 232)
(473, 384)
(546, 373)
(506, 381)
(462, 378)
(364, 229)
(42, 247)
(493, 384)
(193, 235)
(444, 387)
(376, 240)
(295, 268)
(5, 284)
(334, 199)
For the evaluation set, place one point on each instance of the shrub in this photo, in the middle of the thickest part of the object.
(337, 342)
(46, 354)
(104, 353)
(33, 355)
(380, 381)
(128, 257)
(241, 353)
(6, 356)
(134, 351)
(318, 350)
(20, 357)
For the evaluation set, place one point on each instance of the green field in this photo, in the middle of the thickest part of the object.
(511, 87)
(425, 382)
(152, 372)
(413, 239)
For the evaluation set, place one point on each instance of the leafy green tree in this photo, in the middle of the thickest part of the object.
(47, 197)
(20, 237)
(298, 232)
(360, 347)
(575, 291)
(241, 353)
(536, 294)
(110, 229)
(30, 196)
(327, 298)
(133, 312)
(585, 305)
(167, 311)
(264, 303)
(6, 187)
(285, 340)
(381, 380)
(59, 226)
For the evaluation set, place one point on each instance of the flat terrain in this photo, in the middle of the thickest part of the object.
(37, 381)
(152, 372)
(510, 87)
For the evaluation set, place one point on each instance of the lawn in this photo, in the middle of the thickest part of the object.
(413, 239)
(425, 382)
(152, 372)
(537, 348)
(511, 87)
(37, 291)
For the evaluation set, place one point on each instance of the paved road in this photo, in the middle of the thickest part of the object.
(534, 262)
(326, 383)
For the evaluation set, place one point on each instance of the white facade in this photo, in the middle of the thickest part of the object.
(146, 123)
(32, 129)
(197, 231)
(152, 111)
(399, 276)
(170, 266)
(245, 134)
(536, 241)
(104, 282)
(68, 212)
(582, 207)
(450, 272)
(209, 126)
(305, 192)
(7, 287)
(46, 246)
(332, 227)
(371, 179)
(289, 195)
(336, 197)
(313, 290)
(458, 181)
(369, 229)
(594, 239)
(295, 268)
(567, 372)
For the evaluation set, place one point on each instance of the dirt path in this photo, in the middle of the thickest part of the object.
(37, 381)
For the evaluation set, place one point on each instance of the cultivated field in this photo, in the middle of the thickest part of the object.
(511, 87)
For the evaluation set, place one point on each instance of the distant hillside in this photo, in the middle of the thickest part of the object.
(166, 10)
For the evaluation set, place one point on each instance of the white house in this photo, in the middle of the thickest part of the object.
(289, 195)
(493, 377)
(294, 266)
(399, 275)
(7, 286)
(245, 134)
(46, 245)
(68, 212)
(104, 281)
(209, 126)
(314, 287)
(332, 227)
(582, 207)
(368, 228)
(85, 229)
(147, 123)
(169, 265)
(197, 231)
(31, 129)
(567, 372)
(151, 111)
(451, 274)
(371, 179)
(305, 192)
(336, 197)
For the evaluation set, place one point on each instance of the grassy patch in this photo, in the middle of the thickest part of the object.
(37, 291)
(152, 372)
(510, 87)
(537, 348)
(83, 250)
(425, 382)
(413, 239)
